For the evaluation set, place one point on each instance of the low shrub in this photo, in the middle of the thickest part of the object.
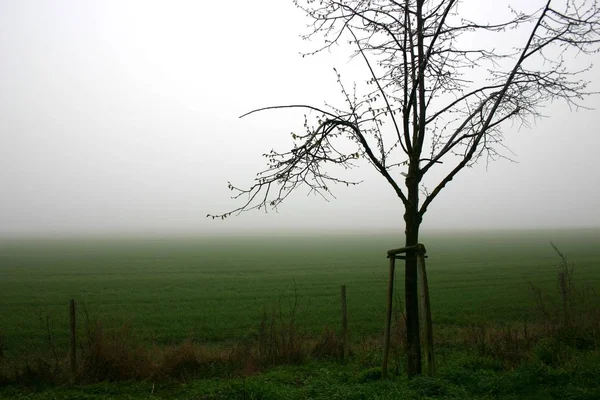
(112, 356)
(328, 346)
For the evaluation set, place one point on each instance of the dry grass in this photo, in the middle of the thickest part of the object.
(112, 356)
(328, 346)
(190, 360)
(281, 338)
(572, 314)
(509, 343)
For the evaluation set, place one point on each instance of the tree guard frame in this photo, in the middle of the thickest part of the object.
(424, 306)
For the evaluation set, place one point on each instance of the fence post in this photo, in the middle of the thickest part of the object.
(344, 323)
(72, 342)
(388, 318)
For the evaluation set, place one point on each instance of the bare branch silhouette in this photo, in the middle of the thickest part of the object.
(446, 99)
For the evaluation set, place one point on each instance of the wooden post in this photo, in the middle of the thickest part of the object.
(425, 307)
(73, 342)
(388, 318)
(344, 323)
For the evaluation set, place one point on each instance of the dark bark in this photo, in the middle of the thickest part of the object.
(412, 221)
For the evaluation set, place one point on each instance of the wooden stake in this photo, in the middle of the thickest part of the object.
(388, 318)
(73, 342)
(425, 307)
(344, 323)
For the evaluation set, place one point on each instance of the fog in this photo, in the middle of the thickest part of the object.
(122, 117)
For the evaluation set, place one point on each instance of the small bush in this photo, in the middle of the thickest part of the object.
(280, 341)
(329, 346)
(281, 338)
(572, 316)
(183, 361)
(112, 356)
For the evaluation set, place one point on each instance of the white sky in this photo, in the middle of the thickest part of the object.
(121, 116)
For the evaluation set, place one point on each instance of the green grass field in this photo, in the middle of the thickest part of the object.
(215, 289)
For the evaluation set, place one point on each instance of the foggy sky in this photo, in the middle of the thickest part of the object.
(122, 116)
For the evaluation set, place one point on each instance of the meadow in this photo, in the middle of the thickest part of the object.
(216, 290)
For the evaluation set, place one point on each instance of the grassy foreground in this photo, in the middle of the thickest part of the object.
(463, 376)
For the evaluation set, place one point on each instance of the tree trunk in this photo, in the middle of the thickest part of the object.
(413, 222)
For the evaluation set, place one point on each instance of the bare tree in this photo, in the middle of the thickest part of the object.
(433, 97)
